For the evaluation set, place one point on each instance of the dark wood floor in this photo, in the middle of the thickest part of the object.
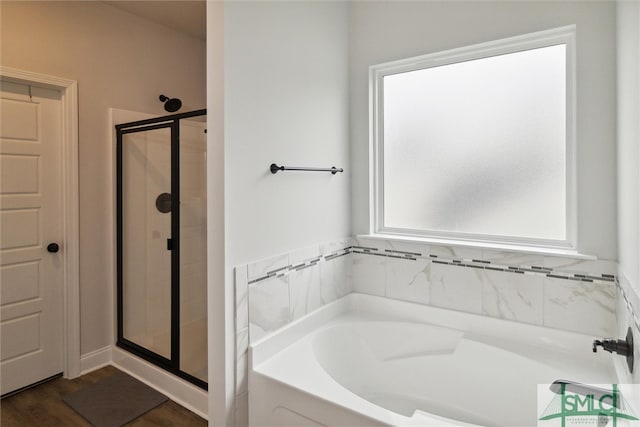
(43, 406)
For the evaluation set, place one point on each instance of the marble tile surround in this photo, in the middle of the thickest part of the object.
(557, 292)
(562, 293)
(628, 315)
(629, 302)
(275, 291)
(285, 287)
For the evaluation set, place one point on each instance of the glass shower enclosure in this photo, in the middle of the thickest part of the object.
(161, 242)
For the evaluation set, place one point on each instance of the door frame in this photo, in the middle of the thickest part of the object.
(70, 208)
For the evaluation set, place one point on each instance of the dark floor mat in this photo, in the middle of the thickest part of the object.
(114, 401)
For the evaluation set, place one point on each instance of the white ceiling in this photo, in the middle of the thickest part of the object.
(187, 16)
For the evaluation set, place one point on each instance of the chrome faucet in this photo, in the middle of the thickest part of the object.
(621, 347)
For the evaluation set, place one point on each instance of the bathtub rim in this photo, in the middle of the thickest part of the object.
(405, 311)
(388, 309)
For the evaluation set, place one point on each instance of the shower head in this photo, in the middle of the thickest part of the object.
(171, 105)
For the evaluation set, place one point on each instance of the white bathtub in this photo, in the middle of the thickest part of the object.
(369, 361)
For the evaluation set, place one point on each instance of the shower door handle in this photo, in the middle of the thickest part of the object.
(169, 244)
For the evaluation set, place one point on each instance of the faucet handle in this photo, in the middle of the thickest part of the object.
(612, 346)
(621, 347)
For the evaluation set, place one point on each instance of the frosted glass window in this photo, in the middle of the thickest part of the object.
(478, 147)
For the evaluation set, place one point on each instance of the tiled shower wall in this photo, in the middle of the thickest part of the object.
(550, 291)
(193, 248)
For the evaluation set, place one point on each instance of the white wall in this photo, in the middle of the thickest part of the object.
(285, 102)
(386, 31)
(286, 97)
(628, 63)
(628, 48)
(220, 296)
(119, 61)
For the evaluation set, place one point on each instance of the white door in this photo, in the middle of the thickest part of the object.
(31, 284)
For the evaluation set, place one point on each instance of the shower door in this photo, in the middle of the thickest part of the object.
(155, 321)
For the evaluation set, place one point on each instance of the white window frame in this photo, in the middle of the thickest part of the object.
(563, 35)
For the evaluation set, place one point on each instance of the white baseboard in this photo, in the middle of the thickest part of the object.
(95, 360)
(180, 391)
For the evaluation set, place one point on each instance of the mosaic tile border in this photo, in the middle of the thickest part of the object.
(477, 263)
(287, 269)
(635, 315)
(488, 265)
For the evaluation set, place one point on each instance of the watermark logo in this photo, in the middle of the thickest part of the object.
(574, 404)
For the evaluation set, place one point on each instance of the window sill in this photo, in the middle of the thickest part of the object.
(566, 253)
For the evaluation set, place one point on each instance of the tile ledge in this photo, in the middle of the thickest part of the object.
(567, 253)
